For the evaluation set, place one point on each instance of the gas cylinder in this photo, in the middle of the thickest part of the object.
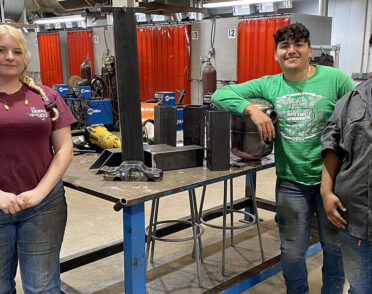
(85, 69)
(209, 78)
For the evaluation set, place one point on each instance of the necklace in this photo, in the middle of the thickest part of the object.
(303, 88)
(6, 106)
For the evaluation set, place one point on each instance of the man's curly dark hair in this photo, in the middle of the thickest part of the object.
(294, 31)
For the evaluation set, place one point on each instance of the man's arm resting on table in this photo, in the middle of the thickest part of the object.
(263, 123)
(331, 202)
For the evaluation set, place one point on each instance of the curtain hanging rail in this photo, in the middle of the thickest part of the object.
(163, 24)
(266, 16)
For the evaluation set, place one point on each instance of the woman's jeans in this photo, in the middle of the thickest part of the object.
(357, 257)
(33, 237)
(296, 205)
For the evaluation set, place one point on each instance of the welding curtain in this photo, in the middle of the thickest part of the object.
(50, 59)
(164, 60)
(79, 45)
(256, 47)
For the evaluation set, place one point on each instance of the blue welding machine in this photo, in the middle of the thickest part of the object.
(165, 98)
(62, 89)
(85, 92)
(98, 112)
(169, 98)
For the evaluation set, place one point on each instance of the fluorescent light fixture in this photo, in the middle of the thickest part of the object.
(235, 3)
(60, 19)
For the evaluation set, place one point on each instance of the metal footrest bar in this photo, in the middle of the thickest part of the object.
(235, 227)
(189, 223)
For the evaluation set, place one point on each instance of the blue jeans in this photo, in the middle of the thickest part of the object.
(357, 257)
(296, 205)
(33, 237)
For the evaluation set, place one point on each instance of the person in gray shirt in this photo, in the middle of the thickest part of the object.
(346, 186)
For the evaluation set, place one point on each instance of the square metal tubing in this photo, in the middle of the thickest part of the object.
(194, 125)
(165, 119)
(218, 140)
(168, 157)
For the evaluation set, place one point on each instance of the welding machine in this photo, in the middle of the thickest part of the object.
(62, 89)
(98, 112)
(164, 98)
(85, 92)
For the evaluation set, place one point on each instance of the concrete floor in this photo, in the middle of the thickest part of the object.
(92, 222)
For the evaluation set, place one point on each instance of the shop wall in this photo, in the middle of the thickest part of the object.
(33, 69)
(102, 39)
(224, 59)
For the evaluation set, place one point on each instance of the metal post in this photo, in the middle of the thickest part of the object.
(127, 76)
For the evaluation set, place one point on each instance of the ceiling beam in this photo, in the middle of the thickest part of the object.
(21, 25)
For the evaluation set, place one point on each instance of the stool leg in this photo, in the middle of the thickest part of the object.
(253, 193)
(197, 218)
(231, 211)
(202, 202)
(154, 230)
(149, 233)
(224, 225)
(194, 232)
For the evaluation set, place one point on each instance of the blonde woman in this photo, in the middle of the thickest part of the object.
(35, 151)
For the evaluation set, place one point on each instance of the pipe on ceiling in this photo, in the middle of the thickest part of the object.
(323, 7)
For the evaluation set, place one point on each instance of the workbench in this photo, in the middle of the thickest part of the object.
(133, 196)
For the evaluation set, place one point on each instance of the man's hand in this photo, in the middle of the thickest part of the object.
(263, 123)
(8, 203)
(30, 198)
(331, 202)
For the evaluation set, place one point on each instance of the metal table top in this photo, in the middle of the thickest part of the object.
(78, 177)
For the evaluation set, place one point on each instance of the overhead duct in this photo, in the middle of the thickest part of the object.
(13, 9)
(70, 5)
(59, 6)
(51, 6)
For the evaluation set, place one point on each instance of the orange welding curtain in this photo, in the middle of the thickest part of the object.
(50, 59)
(256, 47)
(164, 60)
(79, 44)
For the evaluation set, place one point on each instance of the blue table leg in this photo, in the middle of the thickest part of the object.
(134, 249)
(248, 184)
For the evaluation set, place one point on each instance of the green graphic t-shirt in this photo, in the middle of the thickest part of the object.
(303, 109)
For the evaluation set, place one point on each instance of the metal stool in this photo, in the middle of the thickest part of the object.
(194, 222)
(231, 210)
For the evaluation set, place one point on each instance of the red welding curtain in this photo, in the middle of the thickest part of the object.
(164, 60)
(79, 44)
(50, 59)
(256, 47)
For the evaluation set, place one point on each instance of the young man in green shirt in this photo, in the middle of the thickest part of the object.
(304, 97)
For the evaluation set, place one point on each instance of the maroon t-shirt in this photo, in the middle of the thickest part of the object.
(25, 131)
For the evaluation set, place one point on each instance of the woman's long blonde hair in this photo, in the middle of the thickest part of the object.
(29, 82)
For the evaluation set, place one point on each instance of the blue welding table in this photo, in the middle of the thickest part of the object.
(132, 193)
